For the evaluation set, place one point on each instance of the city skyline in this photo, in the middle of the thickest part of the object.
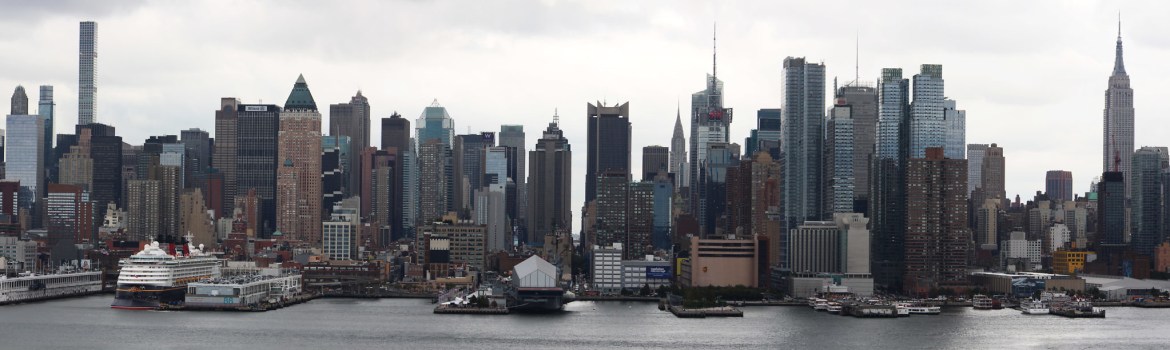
(668, 55)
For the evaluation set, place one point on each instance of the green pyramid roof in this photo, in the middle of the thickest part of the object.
(300, 97)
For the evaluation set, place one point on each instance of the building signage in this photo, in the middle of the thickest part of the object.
(657, 272)
(255, 108)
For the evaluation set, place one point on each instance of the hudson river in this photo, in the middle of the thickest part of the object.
(89, 323)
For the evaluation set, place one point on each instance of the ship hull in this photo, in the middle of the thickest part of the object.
(147, 297)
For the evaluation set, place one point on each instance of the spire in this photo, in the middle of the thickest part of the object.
(1118, 63)
(678, 129)
(300, 97)
(714, 27)
(556, 116)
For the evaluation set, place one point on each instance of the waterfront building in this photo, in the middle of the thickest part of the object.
(606, 268)
(804, 119)
(352, 120)
(1117, 133)
(86, 74)
(463, 241)
(608, 147)
(224, 155)
(937, 233)
(646, 272)
(300, 145)
(551, 184)
(721, 263)
(1058, 185)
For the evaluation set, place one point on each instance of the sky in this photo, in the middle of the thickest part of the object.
(1030, 74)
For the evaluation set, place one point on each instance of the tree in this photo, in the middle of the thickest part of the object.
(645, 290)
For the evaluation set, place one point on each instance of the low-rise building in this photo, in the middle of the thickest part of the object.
(1025, 284)
(1069, 262)
(607, 268)
(722, 262)
(639, 273)
(242, 290)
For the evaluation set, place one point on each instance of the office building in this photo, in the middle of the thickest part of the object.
(840, 186)
(224, 157)
(105, 149)
(46, 108)
(640, 238)
(142, 209)
(19, 101)
(710, 123)
(1058, 185)
(491, 212)
(434, 170)
(197, 145)
(863, 110)
(300, 145)
(195, 220)
(335, 169)
(25, 157)
(612, 222)
(887, 203)
(340, 233)
(955, 134)
(655, 159)
(257, 127)
(1147, 221)
(927, 126)
(663, 212)
(992, 175)
(804, 119)
(767, 132)
(937, 233)
(353, 120)
(608, 145)
(606, 268)
(721, 263)
(469, 167)
(678, 153)
(550, 186)
(396, 139)
(512, 137)
(975, 153)
(1117, 134)
(86, 72)
(70, 215)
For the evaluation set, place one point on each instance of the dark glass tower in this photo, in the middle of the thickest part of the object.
(256, 130)
(608, 146)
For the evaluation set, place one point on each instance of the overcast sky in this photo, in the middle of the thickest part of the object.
(1030, 74)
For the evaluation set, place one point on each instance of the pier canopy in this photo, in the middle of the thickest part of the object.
(534, 272)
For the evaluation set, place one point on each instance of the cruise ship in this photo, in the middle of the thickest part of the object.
(33, 287)
(155, 276)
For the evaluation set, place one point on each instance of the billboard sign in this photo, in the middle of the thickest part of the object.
(657, 272)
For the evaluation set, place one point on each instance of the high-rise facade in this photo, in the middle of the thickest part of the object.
(256, 159)
(713, 183)
(993, 173)
(24, 162)
(550, 187)
(105, 150)
(937, 234)
(887, 204)
(678, 154)
(640, 216)
(224, 156)
(396, 139)
(1118, 128)
(69, 215)
(335, 169)
(46, 109)
(840, 175)
(86, 74)
(300, 144)
(612, 222)
(142, 209)
(1147, 198)
(608, 147)
(512, 137)
(863, 110)
(927, 126)
(654, 159)
(434, 169)
(975, 152)
(1111, 210)
(804, 135)
(435, 124)
(197, 145)
(353, 120)
(1058, 185)
(955, 126)
(469, 168)
(19, 101)
(767, 132)
(710, 124)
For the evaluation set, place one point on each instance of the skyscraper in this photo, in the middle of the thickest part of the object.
(256, 153)
(993, 173)
(840, 177)
(469, 162)
(512, 137)
(69, 214)
(434, 168)
(678, 154)
(975, 152)
(654, 160)
(86, 72)
(1058, 185)
(197, 144)
(955, 136)
(551, 184)
(1146, 198)
(1111, 210)
(608, 148)
(613, 195)
(46, 108)
(1118, 126)
(435, 124)
(300, 144)
(863, 109)
(710, 123)
(19, 101)
(767, 132)
(105, 150)
(396, 140)
(804, 135)
(353, 120)
(335, 169)
(224, 157)
(937, 234)
(25, 156)
(888, 183)
(927, 126)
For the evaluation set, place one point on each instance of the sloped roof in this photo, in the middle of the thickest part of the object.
(300, 97)
(532, 265)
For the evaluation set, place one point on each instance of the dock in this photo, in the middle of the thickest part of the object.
(725, 311)
(257, 307)
(467, 310)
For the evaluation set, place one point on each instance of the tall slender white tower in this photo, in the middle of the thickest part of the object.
(86, 70)
(1118, 124)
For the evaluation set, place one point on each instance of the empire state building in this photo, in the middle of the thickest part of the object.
(1118, 122)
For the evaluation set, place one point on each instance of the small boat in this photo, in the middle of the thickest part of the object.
(922, 309)
(1034, 307)
(902, 310)
(982, 302)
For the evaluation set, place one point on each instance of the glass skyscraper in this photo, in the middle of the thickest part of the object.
(25, 148)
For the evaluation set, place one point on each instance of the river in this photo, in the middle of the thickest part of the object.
(89, 323)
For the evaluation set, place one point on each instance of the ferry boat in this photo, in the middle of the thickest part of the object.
(821, 304)
(155, 276)
(1077, 309)
(922, 309)
(982, 302)
(32, 287)
(833, 307)
(1034, 307)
